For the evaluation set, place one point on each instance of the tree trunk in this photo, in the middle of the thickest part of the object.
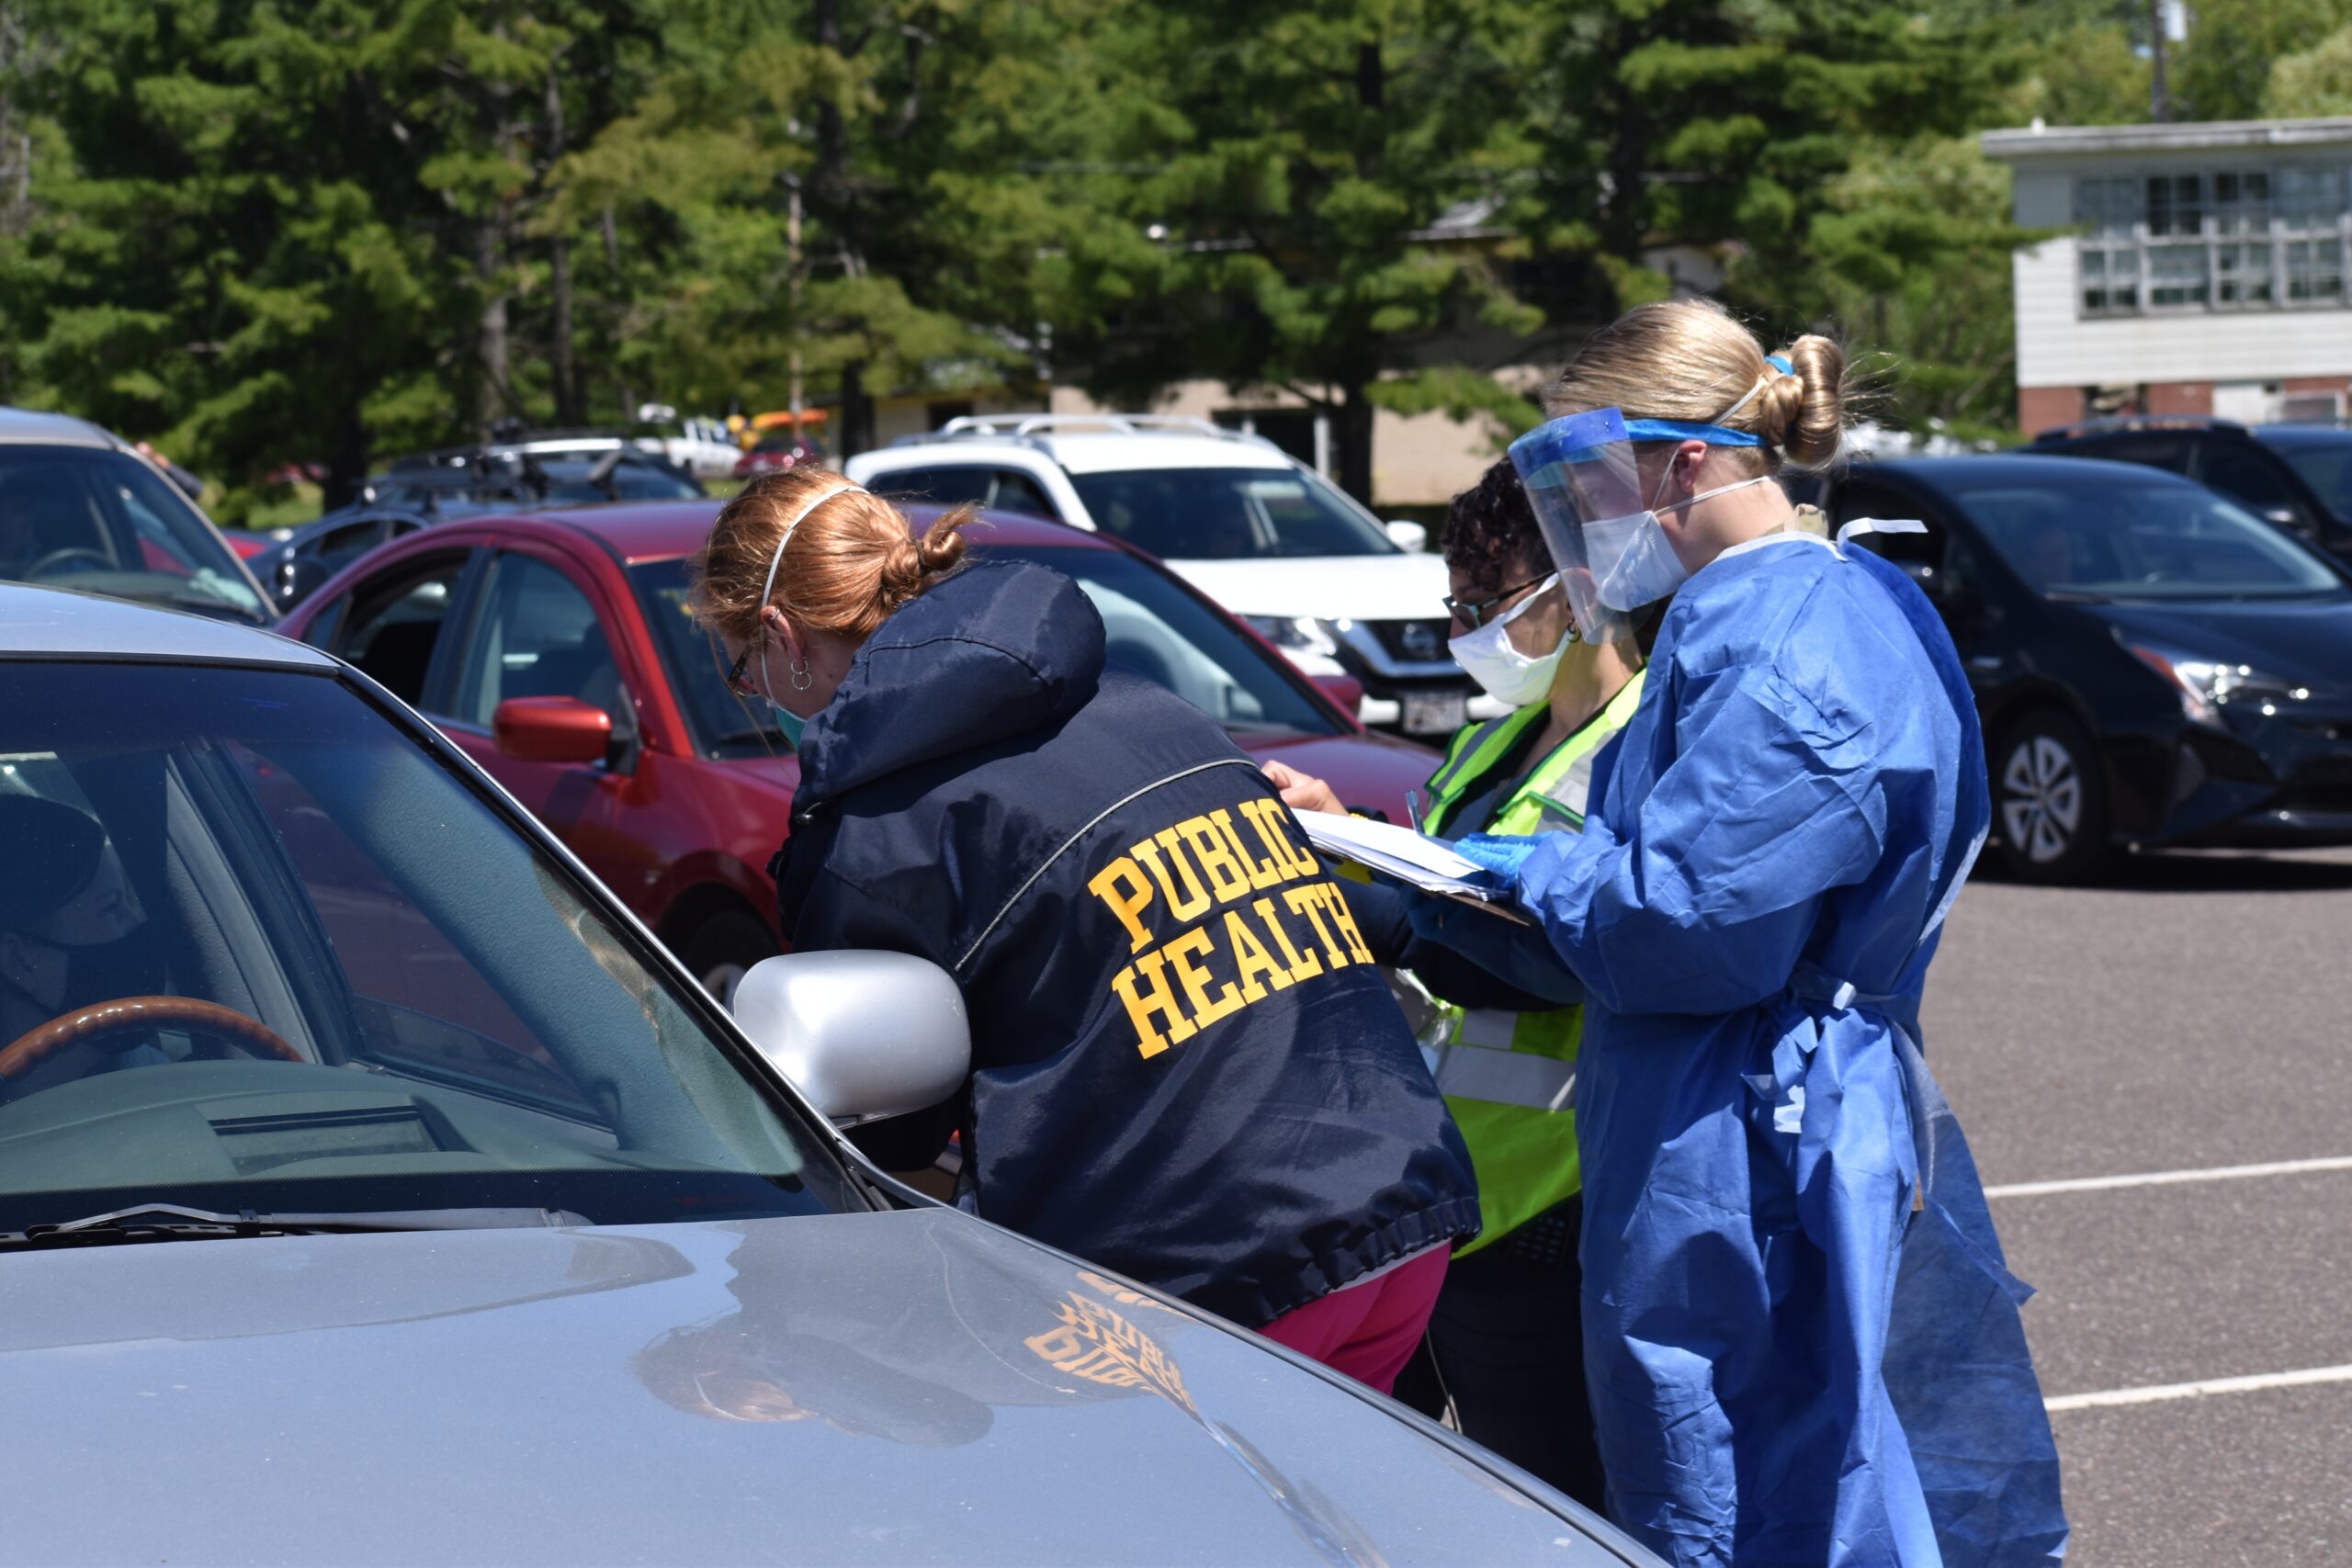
(346, 459)
(1352, 434)
(560, 368)
(854, 432)
(491, 334)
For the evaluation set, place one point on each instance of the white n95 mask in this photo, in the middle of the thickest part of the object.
(1488, 656)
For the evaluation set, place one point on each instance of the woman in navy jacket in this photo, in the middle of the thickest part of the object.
(1185, 1066)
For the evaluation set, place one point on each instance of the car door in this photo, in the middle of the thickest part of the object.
(537, 631)
(1945, 564)
(395, 626)
(2260, 481)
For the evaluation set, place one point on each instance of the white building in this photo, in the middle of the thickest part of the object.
(2203, 271)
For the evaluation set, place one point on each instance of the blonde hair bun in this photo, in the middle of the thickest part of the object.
(1689, 360)
(849, 560)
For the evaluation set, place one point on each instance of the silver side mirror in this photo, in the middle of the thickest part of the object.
(861, 1034)
(1409, 535)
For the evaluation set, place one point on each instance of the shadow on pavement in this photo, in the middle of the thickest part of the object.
(2207, 871)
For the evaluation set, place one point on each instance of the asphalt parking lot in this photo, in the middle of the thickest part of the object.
(2190, 1018)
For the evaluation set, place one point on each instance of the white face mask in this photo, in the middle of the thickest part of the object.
(1492, 660)
(1635, 562)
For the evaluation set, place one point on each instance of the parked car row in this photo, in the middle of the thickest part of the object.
(557, 649)
(431, 1125)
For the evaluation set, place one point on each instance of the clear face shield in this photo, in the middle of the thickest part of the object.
(1584, 481)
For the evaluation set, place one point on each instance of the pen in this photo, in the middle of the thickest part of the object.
(1413, 808)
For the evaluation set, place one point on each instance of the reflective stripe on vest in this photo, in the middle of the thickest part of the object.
(1510, 1078)
(1505, 1076)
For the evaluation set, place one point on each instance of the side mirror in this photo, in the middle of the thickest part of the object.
(863, 1034)
(2289, 518)
(1409, 535)
(552, 729)
(1345, 691)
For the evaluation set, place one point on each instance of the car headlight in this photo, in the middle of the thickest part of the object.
(2208, 686)
(1296, 634)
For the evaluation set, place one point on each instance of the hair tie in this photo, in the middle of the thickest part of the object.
(1781, 363)
(794, 522)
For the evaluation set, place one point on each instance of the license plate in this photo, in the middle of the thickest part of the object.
(1433, 712)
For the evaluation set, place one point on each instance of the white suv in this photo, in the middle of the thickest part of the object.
(1266, 536)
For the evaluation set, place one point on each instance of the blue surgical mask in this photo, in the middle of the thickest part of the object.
(791, 723)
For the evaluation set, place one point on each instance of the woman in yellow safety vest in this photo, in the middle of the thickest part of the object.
(1506, 1340)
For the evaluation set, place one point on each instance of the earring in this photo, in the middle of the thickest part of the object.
(801, 679)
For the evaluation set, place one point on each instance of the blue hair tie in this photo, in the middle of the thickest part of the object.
(1780, 362)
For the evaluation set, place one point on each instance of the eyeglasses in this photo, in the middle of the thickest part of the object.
(738, 680)
(1473, 613)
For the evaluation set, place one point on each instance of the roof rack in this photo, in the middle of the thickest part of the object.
(1030, 426)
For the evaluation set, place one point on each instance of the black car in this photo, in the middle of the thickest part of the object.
(2298, 476)
(2152, 664)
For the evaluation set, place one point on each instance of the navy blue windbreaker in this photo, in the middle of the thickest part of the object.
(1186, 1067)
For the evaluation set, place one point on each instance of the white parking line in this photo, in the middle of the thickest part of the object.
(2159, 1392)
(2168, 1178)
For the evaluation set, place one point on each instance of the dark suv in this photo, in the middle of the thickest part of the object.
(2299, 476)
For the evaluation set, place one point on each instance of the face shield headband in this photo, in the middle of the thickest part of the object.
(1584, 482)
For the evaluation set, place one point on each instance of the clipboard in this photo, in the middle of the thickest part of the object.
(1414, 859)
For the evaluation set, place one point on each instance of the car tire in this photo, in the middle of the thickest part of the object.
(2050, 800)
(722, 948)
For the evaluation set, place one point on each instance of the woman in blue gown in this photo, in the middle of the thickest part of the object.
(1801, 1340)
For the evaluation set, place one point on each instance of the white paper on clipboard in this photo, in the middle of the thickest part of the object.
(1414, 859)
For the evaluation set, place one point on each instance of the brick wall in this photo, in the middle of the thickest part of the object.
(2178, 397)
(2040, 408)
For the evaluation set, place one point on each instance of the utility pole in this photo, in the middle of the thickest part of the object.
(2159, 96)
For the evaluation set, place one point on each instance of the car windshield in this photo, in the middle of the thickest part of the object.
(1229, 513)
(364, 989)
(106, 522)
(2110, 537)
(1155, 628)
(2326, 466)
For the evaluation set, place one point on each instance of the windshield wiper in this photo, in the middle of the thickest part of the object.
(173, 1222)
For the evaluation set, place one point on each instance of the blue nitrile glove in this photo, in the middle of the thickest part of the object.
(1520, 956)
(1502, 853)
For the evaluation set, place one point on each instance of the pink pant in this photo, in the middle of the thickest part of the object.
(1368, 1331)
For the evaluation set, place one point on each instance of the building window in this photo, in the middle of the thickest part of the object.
(2211, 240)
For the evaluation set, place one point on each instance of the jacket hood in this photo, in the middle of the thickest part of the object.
(994, 651)
(890, 1389)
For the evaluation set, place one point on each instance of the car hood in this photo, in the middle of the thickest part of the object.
(2305, 641)
(1328, 588)
(1373, 770)
(909, 1387)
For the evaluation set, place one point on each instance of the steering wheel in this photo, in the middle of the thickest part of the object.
(59, 557)
(139, 1015)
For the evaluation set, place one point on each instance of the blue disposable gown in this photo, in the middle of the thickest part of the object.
(1802, 1342)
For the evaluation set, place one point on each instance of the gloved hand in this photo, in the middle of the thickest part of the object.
(1519, 955)
(1501, 853)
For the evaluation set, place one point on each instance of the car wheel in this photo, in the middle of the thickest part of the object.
(2050, 800)
(722, 948)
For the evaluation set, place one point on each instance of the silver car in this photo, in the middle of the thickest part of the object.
(515, 1246)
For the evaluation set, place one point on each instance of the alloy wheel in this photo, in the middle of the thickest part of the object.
(2042, 799)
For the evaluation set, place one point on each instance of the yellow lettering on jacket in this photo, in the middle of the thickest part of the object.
(1253, 959)
(1196, 981)
(1301, 968)
(1308, 901)
(1192, 968)
(1156, 997)
(1272, 819)
(1127, 904)
(1195, 903)
(1264, 873)
(1227, 877)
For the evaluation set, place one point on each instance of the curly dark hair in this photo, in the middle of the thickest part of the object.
(1490, 533)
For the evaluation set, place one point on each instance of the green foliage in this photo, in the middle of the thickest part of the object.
(2224, 68)
(2315, 82)
(272, 231)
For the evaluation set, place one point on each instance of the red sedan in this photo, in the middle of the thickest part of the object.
(555, 647)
